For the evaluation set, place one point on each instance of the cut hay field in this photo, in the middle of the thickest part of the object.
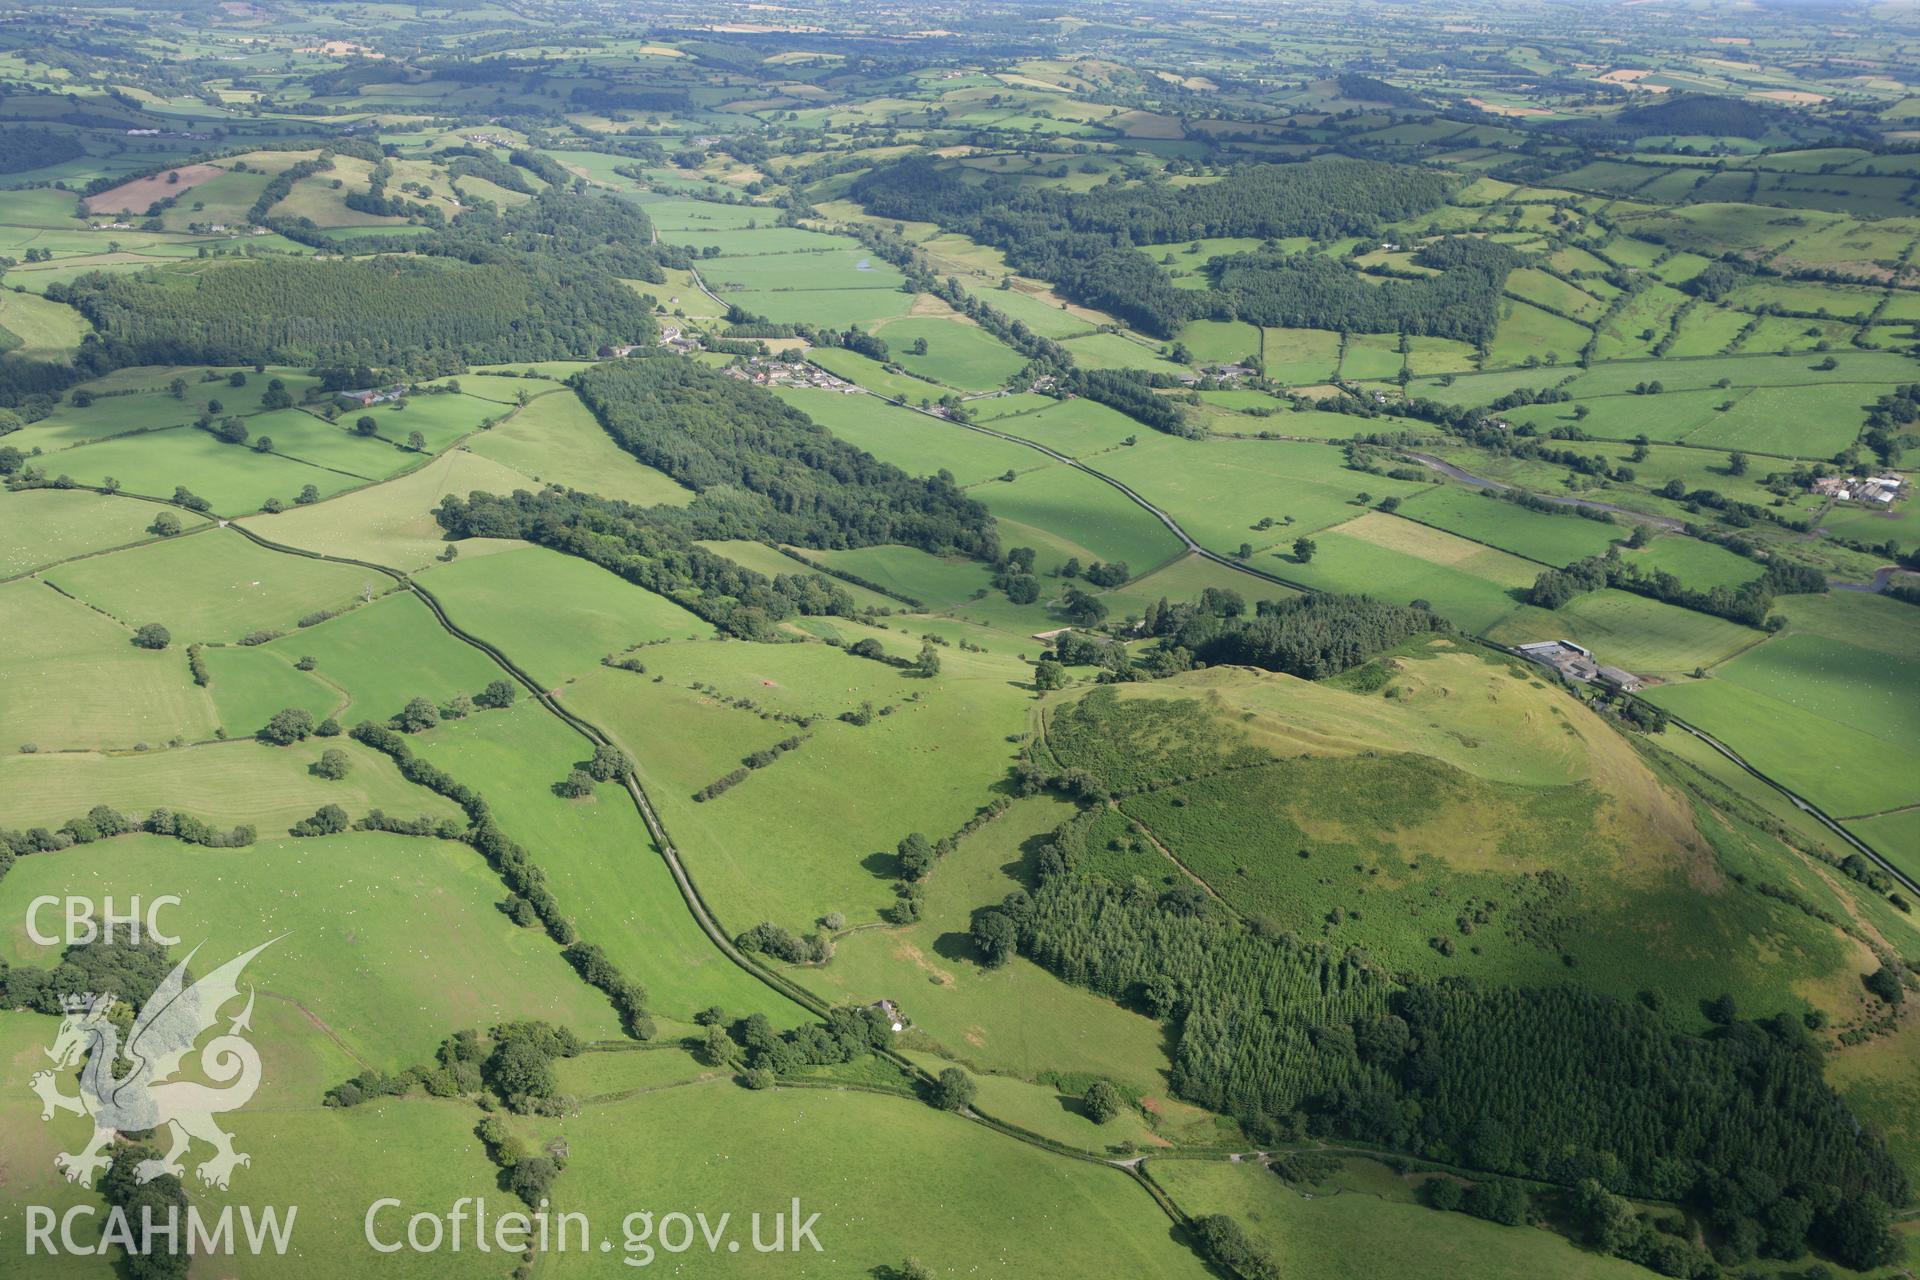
(555, 615)
(1400, 561)
(214, 585)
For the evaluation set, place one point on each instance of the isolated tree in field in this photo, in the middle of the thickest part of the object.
(498, 695)
(866, 647)
(914, 1269)
(417, 441)
(1303, 549)
(996, 935)
(333, 764)
(1103, 1102)
(419, 714)
(919, 347)
(288, 726)
(1885, 983)
(954, 1090)
(719, 1048)
(1049, 675)
(365, 425)
(166, 524)
(1736, 463)
(263, 444)
(327, 820)
(609, 763)
(236, 379)
(1023, 588)
(928, 662)
(916, 856)
(577, 785)
(232, 431)
(152, 636)
(177, 388)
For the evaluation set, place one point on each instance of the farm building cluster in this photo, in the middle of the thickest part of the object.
(763, 372)
(1878, 490)
(1577, 663)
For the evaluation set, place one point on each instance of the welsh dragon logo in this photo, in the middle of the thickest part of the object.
(145, 1095)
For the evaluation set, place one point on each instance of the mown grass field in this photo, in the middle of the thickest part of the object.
(1401, 561)
(1555, 539)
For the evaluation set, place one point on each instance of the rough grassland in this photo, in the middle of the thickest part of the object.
(888, 1176)
(1356, 1237)
(212, 586)
(556, 615)
(71, 679)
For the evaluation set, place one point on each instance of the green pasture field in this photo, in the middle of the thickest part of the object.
(224, 783)
(442, 419)
(959, 353)
(1185, 579)
(1796, 338)
(1219, 489)
(942, 582)
(1639, 324)
(1644, 636)
(1351, 1236)
(234, 478)
(1371, 356)
(987, 408)
(1802, 422)
(425, 1145)
(597, 856)
(1078, 428)
(1221, 341)
(772, 562)
(1707, 331)
(1049, 320)
(1895, 835)
(1528, 331)
(873, 376)
(74, 681)
(556, 440)
(346, 912)
(1017, 1019)
(39, 329)
(137, 399)
(1092, 519)
(392, 523)
(214, 585)
(845, 268)
(595, 1075)
(1536, 535)
(693, 215)
(1701, 565)
(879, 1199)
(755, 241)
(1111, 351)
(251, 682)
(1400, 561)
(41, 526)
(335, 446)
(914, 442)
(1047, 1110)
(555, 615)
(834, 307)
(381, 655)
(783, 845)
